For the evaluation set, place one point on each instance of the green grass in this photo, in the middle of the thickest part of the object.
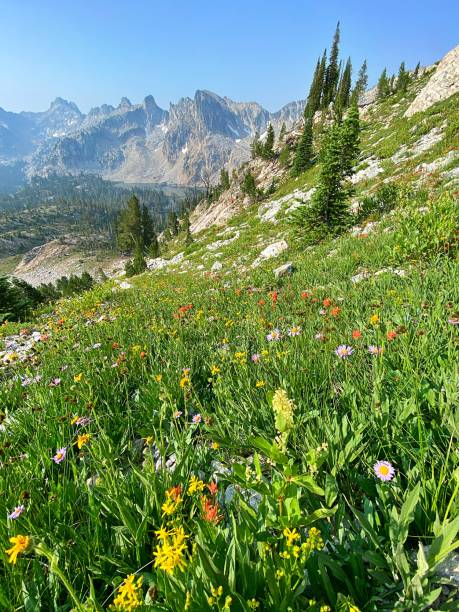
(8, 264)
(164, 372)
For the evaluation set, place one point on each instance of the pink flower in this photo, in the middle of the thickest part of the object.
(256, 357)
(197, 418)
(374, 350)
(55, 382)
(16, 512)
(60, 455)
(384, 470)
(274, 335)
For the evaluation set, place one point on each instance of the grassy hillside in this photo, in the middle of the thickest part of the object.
(214, 441)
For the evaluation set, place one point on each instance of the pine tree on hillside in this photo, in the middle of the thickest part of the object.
(332, 71)
(328, 212)
(403, 78)
(416, 70)
(267, 151)
(361, 83)
(172, 223)
(256, 147)
(13, 303)
(148, 228)
(350, 141)
(282, 132)
(383, 85)
(138, 264)
(249, 186)
(224, 179)
(304, 151)
(315, 91)
(153, 249)
(344, 88)
(129, 231)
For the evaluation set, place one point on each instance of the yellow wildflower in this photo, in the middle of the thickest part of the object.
(374, 319)
(148, 440)
(171, 504)
(184, 382)
(283, 409)
(195, 485)
(228, 602)
(78, 377)
(259, 384)
(20, 544)
(215, 445)
(187, 600)
(291, 535)
(83, 439)
(158, 377)
(170, 553)
(129, 594)
(215, 370)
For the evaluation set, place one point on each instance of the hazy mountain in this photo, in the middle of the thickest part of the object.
(137, 142)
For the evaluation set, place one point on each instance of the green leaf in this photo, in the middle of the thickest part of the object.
(268, 449)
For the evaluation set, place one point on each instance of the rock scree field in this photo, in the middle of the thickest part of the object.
(258, 421)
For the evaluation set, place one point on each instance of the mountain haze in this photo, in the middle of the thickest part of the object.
(138, 142)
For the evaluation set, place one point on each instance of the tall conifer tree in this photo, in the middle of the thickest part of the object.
(304, 152)
(332, 71)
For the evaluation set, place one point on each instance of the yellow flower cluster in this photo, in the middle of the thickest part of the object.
(216, 594)
(171, 504)
(170, 552)
(129, 594)
(195, 485)
(283, 409)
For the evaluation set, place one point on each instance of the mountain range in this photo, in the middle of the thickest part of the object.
(185, 145)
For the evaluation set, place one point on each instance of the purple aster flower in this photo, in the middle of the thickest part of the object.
(274, 335)
(453, 320)
(384, 470)
(55, 382)
(16, 512)
(256, 357)
(344, 351)
(197, 418)
(374, 350)
(60, 455)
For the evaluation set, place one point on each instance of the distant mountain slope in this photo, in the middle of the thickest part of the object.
(139, 142)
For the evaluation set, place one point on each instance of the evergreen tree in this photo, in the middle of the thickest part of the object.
(224, 179)
(172, 223)
(256, 147)
(284, 156)
(138, 264)
(328, 212)
(344, 88)
(267, 152)
(416, 70)
(130, 225)
(315, 91)
(361, 83)
(282, 132)
(332, 71)
(153, 249)
(249, 186)
(304, 152)
(350, 141)
(403, 78)
(383, 85)
(148, 228)
(13, 303)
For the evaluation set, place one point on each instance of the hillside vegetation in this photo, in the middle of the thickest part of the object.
(216, 436)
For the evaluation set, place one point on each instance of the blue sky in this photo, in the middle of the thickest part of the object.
(96, 51)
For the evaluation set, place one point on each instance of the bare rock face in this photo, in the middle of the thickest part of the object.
(443, 84)
(273, 250)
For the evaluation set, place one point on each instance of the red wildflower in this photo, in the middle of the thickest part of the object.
(261, 302)
(391, 335)
(115, 345)
(335, 311)
(175, 492)
(327, 302)
(213, 488)
(304, 295)
(274, 295)
(211, 511)
(356, 334)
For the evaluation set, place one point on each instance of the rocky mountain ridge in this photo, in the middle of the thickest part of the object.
(187, 144)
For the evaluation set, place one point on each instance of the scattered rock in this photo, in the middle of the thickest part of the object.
(284, 270)
(371, 171)
(273, 250)
(217, 266)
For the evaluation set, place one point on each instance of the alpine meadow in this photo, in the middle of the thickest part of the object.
(229, 349)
